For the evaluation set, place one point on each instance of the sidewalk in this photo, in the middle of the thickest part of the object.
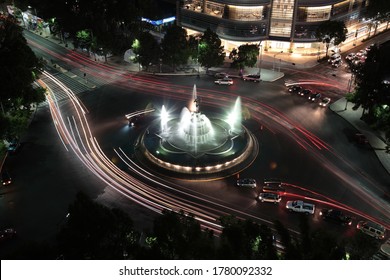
(376, 139)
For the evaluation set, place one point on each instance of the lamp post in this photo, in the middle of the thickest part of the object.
(350, 82)
(273, 65)
(197, 56)
(261, 59)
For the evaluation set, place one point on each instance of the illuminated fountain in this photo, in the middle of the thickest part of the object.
(196, 144)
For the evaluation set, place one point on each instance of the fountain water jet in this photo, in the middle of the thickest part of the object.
(193, 143)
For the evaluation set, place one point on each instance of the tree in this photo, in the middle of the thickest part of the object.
(246, 55)
(146, 50)
(372, 87)
(210, 50)
(333, 32)
(174, 46)
(179, 236)
(245, 239)
(361, 246)
(93, 231)
(18, 68)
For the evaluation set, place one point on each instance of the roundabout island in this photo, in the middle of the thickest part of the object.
(192, 145)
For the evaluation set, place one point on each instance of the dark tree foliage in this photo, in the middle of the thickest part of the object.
(331, 32)
(93, 231)
(291, 246)
(372, 87)
(118, 21)
(246, 55)
(362, 246)
(174, 47)
(193, 44)
(18, 69)
(244, 239)
(179, 236)
(147, 50)
(211, 52)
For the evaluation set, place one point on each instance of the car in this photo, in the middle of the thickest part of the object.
(334, 57)
(252, 77)
(337, 63)
(367, 49)
(246, 182)
(314, 96)
(324, 102)
(224, 81)
(7, 233)
(372, 229)
(221, 75)
(335, 216)
(350, 56)
(5, 178)
(273, 186)
(361, 138)
(269, 197)
(300, 206)
(305, 92)
(133, 121)
(295, 89)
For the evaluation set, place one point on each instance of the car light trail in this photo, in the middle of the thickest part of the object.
(156, 200)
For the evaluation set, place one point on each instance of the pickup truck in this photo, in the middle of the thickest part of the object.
(300, 207)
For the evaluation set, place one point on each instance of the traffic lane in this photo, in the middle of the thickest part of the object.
(336, 132)
(271, 160)
(327, 125)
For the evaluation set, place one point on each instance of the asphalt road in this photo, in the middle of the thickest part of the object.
(47, 177)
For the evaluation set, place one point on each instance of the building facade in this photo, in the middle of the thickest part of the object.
(279, 24)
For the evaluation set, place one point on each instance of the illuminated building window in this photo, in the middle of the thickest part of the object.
(241, 13)
(281, 18)
(313, 14)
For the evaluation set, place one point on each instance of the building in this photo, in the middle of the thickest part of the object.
(282, 25)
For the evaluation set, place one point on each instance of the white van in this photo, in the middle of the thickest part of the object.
(372, 229)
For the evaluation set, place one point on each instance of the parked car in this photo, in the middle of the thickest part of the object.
(335, 216)
(300, 206)
(305, 92)
(224, 81)
(350, 56)
(295, 89)
(252, 77)
(269, 197)
(246, 182)
(221, 75)
(324, 102)
(337, 63)
(314, 96)
(5, 178)
(372, 229)
(334, 57)
(273, 186)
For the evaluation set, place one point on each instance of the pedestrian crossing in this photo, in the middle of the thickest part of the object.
(59, 92)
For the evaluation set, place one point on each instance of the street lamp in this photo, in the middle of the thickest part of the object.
(350, 82)
(261, 58)
(197, 55)
(273, 65)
